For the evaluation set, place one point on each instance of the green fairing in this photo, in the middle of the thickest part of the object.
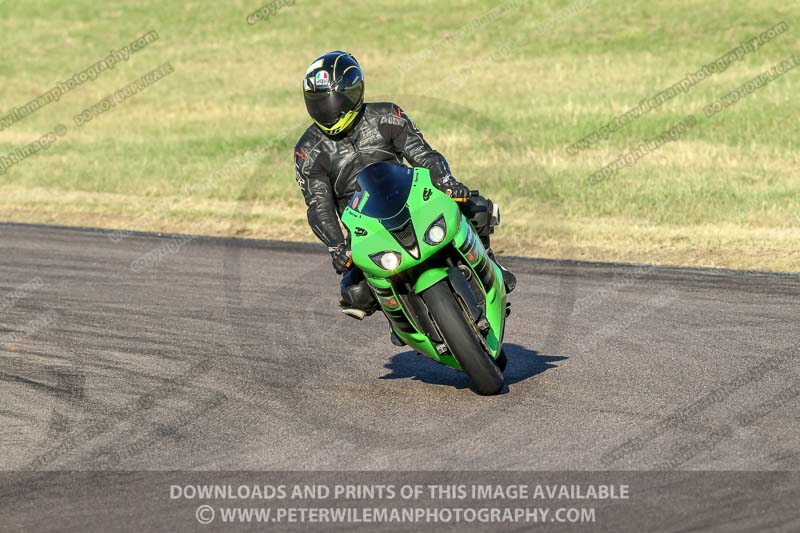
(429, 278)
(378, 239)
(369, 236)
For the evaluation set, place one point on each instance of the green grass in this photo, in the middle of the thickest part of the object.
(501, 101)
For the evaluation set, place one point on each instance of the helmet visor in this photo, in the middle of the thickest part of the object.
(328, 107)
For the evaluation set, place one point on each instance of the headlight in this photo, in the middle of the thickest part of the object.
(386, 260)
(436, 232)
(390, 260)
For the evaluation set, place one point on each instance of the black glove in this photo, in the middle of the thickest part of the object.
(452, 187)
(341, 257)
(479, 210)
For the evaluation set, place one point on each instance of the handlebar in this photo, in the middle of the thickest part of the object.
(472, 194)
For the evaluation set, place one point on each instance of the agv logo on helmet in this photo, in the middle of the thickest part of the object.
(322, 80)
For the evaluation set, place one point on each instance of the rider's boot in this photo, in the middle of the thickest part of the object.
(397, 341)
(357, 300)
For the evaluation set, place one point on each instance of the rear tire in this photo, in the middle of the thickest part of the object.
(461, 337)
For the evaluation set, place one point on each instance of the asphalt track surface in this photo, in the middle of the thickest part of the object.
(166, 353)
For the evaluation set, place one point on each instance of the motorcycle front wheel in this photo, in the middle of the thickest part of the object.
(461, 336)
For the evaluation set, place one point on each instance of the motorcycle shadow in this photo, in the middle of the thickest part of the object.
(522, 364)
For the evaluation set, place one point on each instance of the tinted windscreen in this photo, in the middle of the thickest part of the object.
(388, 186)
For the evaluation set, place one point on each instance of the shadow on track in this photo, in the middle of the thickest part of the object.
(522, 364)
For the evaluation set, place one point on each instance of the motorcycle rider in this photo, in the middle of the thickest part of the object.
(347, 135)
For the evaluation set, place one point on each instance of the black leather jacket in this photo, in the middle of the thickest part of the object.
(327, 167)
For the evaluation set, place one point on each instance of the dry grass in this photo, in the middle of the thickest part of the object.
(501, 101)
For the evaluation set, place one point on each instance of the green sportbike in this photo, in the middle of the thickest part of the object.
(434, 281)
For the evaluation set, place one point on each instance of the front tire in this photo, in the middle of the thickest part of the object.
(501, 360)
(461, 337)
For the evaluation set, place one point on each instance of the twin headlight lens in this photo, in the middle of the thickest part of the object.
(434, 235)
(436, 232)
(390, 260)
(386, 260)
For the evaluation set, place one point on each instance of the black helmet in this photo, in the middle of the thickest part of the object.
(334, 91)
